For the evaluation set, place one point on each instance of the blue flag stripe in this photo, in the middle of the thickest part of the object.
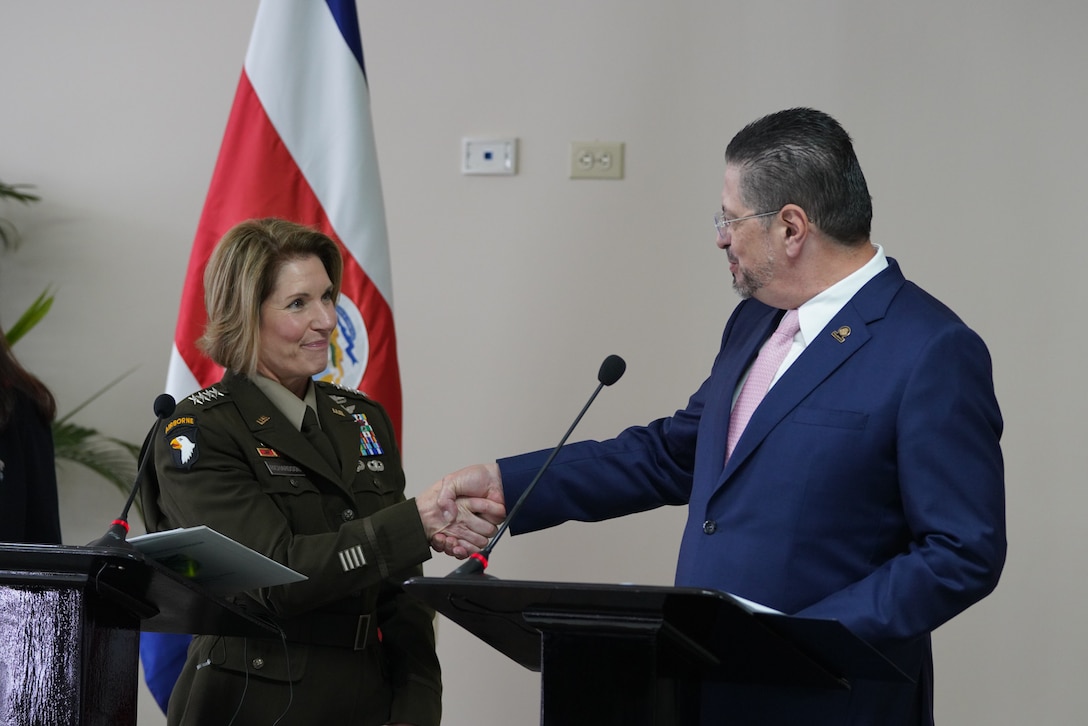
(347, 19)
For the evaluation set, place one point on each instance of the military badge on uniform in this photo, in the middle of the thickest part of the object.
(279, 468)
(368, 442)
(181, 435)
(208, 394)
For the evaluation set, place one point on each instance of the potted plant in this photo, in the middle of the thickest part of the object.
(113, 459)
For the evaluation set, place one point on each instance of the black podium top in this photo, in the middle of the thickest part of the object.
(135, 591)
(702, 633)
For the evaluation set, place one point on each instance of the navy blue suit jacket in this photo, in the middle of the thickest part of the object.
(867, 488)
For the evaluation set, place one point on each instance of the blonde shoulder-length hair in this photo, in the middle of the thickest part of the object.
(240, 276)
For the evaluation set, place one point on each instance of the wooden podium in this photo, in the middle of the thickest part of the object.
(70, 622)
(634, 655)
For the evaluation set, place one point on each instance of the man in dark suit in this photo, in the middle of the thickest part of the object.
(867, 485)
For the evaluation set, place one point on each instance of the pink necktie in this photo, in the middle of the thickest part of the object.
(759, 379)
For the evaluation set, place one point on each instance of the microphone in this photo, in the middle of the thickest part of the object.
(118, 531)
(611, 370)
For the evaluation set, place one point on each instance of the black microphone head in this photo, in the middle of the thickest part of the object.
(611, 370)
(164, 405)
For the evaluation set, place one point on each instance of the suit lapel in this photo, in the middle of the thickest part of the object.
(845, 335)
(820, 358)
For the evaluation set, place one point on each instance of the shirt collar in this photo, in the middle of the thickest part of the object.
(816, 313)
(290, 405)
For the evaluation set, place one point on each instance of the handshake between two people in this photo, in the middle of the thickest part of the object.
(463, 510)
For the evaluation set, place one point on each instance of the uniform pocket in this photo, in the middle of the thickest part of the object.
(300, 501)
(289, 486)
(272, 660)
(376, 476)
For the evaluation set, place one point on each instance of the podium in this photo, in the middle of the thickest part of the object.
(70, 622)
(634, 654)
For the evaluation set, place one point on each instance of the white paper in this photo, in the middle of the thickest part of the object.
(752, 606)
(213, 560)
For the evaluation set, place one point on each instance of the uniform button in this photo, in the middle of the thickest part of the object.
(258, 663)
(347, 515)
(294, 483)
(710, 526)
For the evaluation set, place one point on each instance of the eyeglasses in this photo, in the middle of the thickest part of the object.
(721, 223)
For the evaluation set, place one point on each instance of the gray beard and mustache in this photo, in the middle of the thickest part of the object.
(747, 281)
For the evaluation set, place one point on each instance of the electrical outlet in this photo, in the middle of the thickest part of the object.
(596, 160)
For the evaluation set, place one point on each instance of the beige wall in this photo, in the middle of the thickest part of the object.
(969, 122)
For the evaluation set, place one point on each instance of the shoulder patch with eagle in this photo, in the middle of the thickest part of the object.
(181, 437)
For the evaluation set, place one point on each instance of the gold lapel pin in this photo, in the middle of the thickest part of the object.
(841, 334)
(263, 420)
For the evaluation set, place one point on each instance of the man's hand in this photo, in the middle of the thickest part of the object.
(461, 512)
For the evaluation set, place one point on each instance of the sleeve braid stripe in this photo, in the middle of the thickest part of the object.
(352, 558)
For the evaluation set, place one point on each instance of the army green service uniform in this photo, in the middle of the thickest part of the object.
(355, 649)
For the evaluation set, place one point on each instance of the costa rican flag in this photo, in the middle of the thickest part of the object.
(299, 145)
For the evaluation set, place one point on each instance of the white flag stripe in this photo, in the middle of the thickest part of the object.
(180, 381)
(344, 173)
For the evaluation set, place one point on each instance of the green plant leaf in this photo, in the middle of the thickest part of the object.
(98, 393)
(13, 191)
(31, 317)
(9, 235)
(112, 459)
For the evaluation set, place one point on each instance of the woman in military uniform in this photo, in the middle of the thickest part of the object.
(308, 474)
